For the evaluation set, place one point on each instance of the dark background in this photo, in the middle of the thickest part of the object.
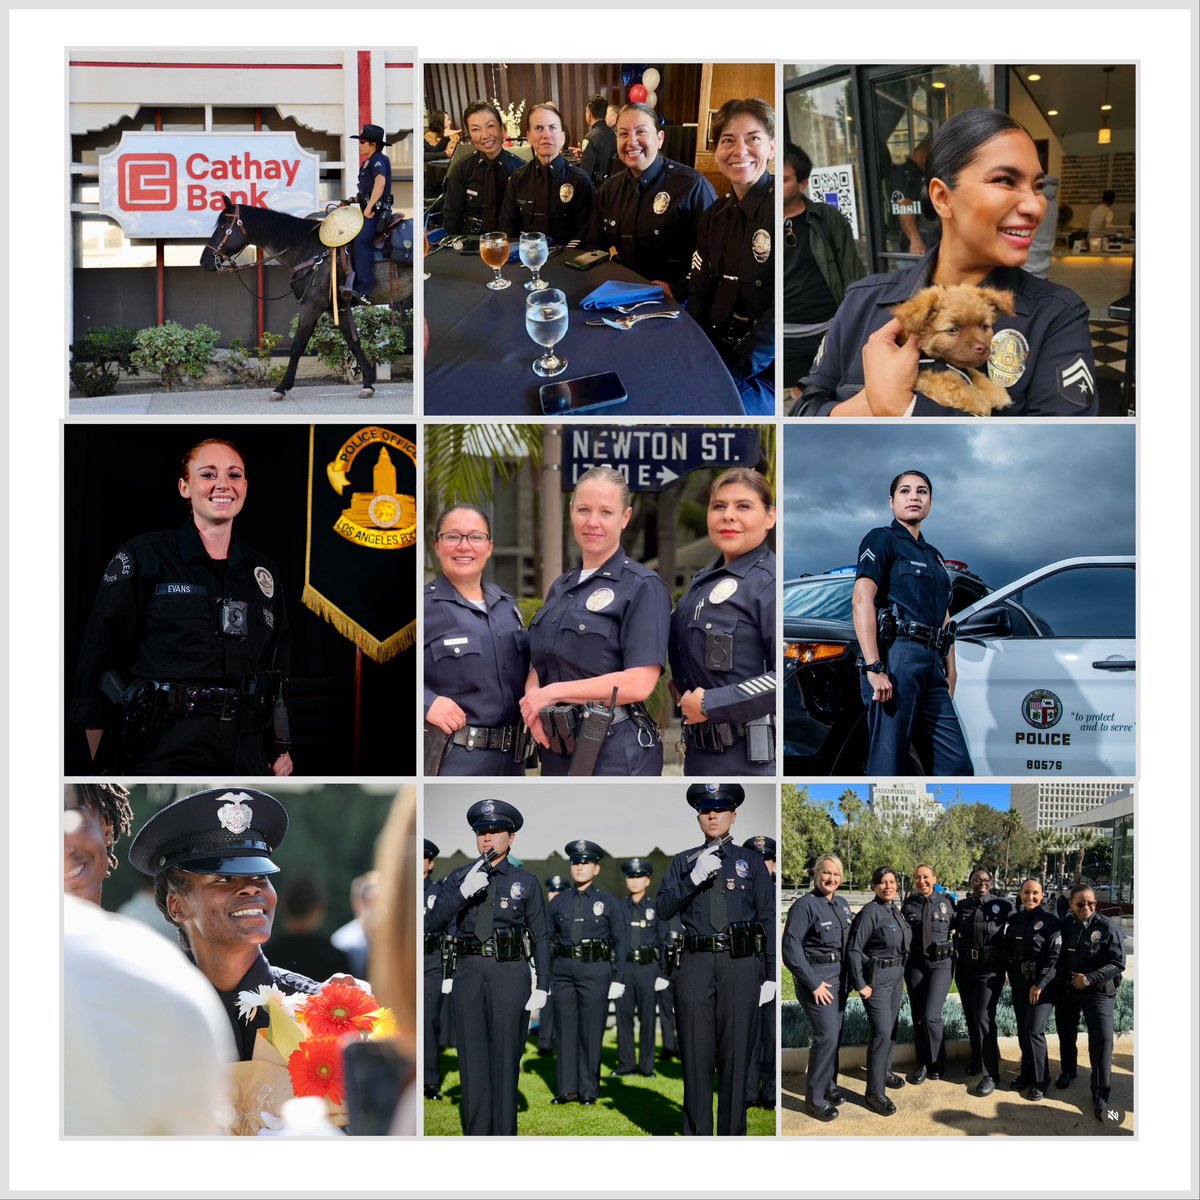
(121, 481)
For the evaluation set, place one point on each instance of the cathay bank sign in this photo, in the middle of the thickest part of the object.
(170, 184)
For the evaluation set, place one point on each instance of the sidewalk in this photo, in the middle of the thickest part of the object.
(327, 397)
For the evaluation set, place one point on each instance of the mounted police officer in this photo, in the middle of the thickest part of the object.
(375, 199)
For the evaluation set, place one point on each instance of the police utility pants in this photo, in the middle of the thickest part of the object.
(363, 254)
(708, 764)
(461, 761)
(580, 1010)
(826, 1022)
(1031, 1028)
(980, 991)
(620, 755)
(760, 1083)
(205, 745)
(1097, 1010)
(928, 986)
(433, 1012)
(883, 1013)
(637, 1000)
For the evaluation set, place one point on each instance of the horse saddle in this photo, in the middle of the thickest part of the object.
(396, 241)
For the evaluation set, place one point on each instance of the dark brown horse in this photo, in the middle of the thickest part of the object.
(293, 243)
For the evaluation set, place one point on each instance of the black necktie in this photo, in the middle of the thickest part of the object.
(718, 913)
(541, 201)
(577, 920)
(491, 188)
(731, 256)
(486, 912)
(927, 926)
(635, 936)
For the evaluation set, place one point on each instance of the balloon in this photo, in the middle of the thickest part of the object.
(628, 74)
(651, 78)
(652, 99)
(637, 94)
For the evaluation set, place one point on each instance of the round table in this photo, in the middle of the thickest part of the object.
(480, 357)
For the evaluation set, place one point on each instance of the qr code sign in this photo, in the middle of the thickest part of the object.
(835, 186)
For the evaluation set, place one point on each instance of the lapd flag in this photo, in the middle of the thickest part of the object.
(360, 560)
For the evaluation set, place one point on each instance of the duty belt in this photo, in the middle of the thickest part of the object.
(200, 700)
(986, 954)
(432, 945)
(926, 635)
(586, 951)
(481, 737)
(504, 946)
(884, 963)
(717, 736)
(819, 960)
(938, 951)
(739, 940)
(1029, 970)
(642, 955)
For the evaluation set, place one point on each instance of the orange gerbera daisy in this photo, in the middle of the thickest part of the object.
(315, 1068)
(338, 1009)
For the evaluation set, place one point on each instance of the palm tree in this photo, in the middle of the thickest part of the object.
(1045, 840)
(851, 809)
(1082, 841)
(1010, 827)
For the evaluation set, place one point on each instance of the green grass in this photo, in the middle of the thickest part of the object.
(629, 1106)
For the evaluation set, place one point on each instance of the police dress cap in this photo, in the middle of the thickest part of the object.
(556, 883)
(704, 797)
(635, 868)
(431, 850)
(494, 814)
(371, 133)
(221, 831)
(763, 844)
(583, 851)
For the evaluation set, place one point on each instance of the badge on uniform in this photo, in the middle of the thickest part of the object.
(760, 245)
(649, 914)
(942, 908)
(517, 890)
(431, 902)
(994, 908)
(1037, 925)
(660, 202)
(1095, 935)
(600, 598)
(235, 815)
(503, 901)
(723, 590)
(598, 908)
(742, 867)
(566, 192)
(729, 885)
(1008, 356)
(265, 583)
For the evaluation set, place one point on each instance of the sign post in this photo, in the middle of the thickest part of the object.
(653, 457)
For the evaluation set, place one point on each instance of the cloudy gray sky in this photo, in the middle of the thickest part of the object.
(1007, 498)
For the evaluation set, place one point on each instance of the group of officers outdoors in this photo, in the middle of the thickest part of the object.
(1067, 962)
(701, 950)
(660, 218)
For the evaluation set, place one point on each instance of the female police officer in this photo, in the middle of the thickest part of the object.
(814, 945)
(191, 628)
(604, 626)
(907, 686)
(928, 971)
(1090, 969)
(476, 654)
(875, 953)
(983, 183)
(475, 185)
(492, 910)
(1032, 945)
(726, 900)
(722, 647)
(732, 282)
(375, 196)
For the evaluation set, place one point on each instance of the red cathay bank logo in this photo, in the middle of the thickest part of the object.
(146, 182)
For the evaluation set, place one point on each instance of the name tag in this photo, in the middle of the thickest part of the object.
(180, 589)
(455, 641)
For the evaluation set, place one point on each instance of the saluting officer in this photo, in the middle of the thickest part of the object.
(643, 974)
(929, 971)
(814, 946)
(649, 213)
(722, 647)
(475, 185)
(907, 685)
(495, 915)
(727, 903)
(732, 282)
(978, 929)
(1032, 946)
(760, 1083)
(545, 1043)
(375, 197)
(432, 984)
(1090, 970)
(547, 195)
(210, 855)
(600, 145)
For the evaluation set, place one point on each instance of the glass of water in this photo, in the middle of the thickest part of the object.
(533, 251)
(546, 323)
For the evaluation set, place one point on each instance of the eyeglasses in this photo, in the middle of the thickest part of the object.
(789, 234)
(456, 539)
(1083, 904)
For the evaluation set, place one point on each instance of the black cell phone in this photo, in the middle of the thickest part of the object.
(585, 394)
(587, 260)
(470, 245)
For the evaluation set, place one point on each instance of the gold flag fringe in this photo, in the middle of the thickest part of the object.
(372, 647)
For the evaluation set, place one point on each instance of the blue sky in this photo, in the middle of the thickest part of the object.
(996, 795)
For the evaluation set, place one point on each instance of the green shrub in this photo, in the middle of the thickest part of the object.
(382, 338)
(253, 369)
(99, 357)
(175, 353)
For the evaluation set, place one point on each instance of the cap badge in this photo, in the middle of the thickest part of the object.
(235, 815)
(488, 808)
(712, 787)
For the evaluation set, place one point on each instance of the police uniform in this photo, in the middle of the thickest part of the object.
(615, 619)
(555, 199)
(491, 975)
(223, 831)
(545, 1042)
(728, 953)
(814, 950)
(978, 929)
(731, 289)
(642, 971)
(589, 955)
(652, 221)
(474, 192)
(599, 153)
(875, 955)
(911, 577)
(760, 1083)
(377, 166)
(1093, 948)
(928, 974)
(158, 616)
(1042, 354)
(723, 640)
(432, 986)
(479, 658)
(1032, 947)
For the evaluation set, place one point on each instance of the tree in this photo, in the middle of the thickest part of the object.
(1045, 842)
(808, 830)
(1081, 841)
(851, 806)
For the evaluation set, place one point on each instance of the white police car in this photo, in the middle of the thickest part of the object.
(1047, 671)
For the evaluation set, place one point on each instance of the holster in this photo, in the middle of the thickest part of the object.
(436, 744)
(256, 708)
(449, 958)
(133, 728)
(886, 627)
(760, 739)
(743, 938)
(560, 723)
(589, 740)
(523, 743)
(672, 956)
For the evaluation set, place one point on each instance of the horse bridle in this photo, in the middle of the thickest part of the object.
(227, 262)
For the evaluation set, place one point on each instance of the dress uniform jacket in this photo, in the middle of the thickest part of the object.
(569, 193)
(652, 221)
(643, 930)
(875, 955)
(1053, 354)
(1093, 948)
(723, 640)
(432, 991)
(260, 974)
(978, 929)
(1032, 948)
(928, 973)
(470, 204)
(599, 153)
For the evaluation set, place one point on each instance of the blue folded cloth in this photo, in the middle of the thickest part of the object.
(609, 295)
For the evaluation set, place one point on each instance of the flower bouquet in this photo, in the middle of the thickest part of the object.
(300, 1051)
(511, 116)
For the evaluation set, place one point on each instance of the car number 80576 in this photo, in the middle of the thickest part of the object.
(1043, 764)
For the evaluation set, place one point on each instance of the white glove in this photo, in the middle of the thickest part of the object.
(661, 983)
(474, 881)
(707, 865)
(447, 986)
(537, 999)
(616, 991)
(766, 993)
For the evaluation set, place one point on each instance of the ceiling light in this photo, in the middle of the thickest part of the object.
(937, 83)
(1034, 77)
(1104, 134)
(1052, 112)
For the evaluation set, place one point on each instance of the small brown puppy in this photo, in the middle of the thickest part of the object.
(954, 324)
